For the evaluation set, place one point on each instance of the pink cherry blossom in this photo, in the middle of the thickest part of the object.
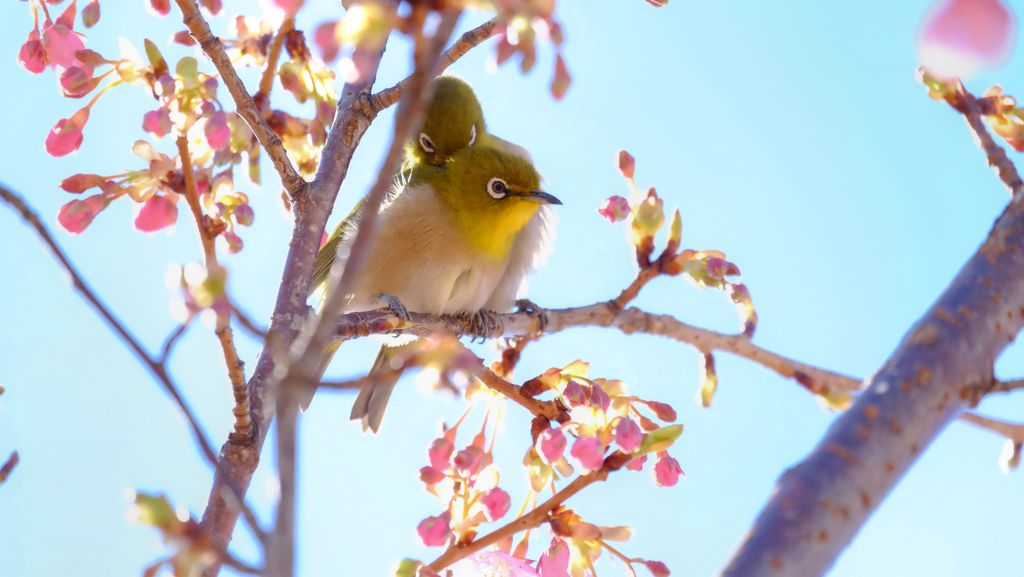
(76, 81)
(468, 461)
(589, 452)
(79, 183)
(61, 44)
(435, 531)
(599, 398)
(657, 568)
(158, 8)
(666, 471)
(439, 451)
(493, 563)
(91, 14)
(290, 7)
(217, 132)
(637, 464)
(555, 561)
(431, 476)
(76, 215)
(960, 37)
(243, 214)
(614, 208)
(716, 268)
(496, 503)
(551, 444)
(627, 434)
(574, 394)
(157, 122)
(32, 56)
(326, 38)
(231, 242)
(663, 411)
(156, 213)
(66, 136)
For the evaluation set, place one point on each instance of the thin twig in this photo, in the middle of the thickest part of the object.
(390, 96)
(158, 369)
(545, 409)
(213, 48)
(605, 314)
(247, 324)
(192, 197)
(235, 366)
(535, 517)
(12, 462)
(1007, 386)
(173, 338)
(1012, 431)
(262, 97)
(972, 109)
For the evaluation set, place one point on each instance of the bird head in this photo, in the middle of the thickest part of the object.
(492, 195)
(452, 122)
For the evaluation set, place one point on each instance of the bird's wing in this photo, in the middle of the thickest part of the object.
(530, 251)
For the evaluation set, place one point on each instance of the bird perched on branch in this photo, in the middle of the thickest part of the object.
(453, 121)
(454, 239)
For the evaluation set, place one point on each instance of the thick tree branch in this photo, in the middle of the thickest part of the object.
(281, 558)
(943, 365)
(270, 142)
(290, 311)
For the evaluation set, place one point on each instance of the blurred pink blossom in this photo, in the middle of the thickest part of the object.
(589, 452)
(435, 531)
(496, 503)
(76, 215)
(156, 213)
(551, 444)
(960, 37)
(666, 471)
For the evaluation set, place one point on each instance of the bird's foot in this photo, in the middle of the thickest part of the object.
(528, 307)
(483, 323)
(396, 306)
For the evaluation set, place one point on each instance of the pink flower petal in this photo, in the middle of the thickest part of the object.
(243, 214)
(960, 37)
(496, 503)
(614, 208)
(61, 44)
(589, 452)
(157, 122)
(555, 561)
(76, 81)
(551, 444)
(91, 14)
(666, 471)
(158, 212)
(76, 215)
(290, 7)
(627, 434)
(218, 134)
(637, 464)
(159, 8)
(66, 136)
(439, 452)
(32, 56)
(435, 531)
(493, 563)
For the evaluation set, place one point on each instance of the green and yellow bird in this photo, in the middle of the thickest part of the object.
(454, 239)
(453, 120)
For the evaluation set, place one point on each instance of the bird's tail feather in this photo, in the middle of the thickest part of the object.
(372, 400)
(306, 396)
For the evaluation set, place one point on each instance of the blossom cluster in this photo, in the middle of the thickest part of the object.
(602, 417)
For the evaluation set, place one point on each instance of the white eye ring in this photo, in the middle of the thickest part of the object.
(427, 144)
(472, 135)
(497, 187)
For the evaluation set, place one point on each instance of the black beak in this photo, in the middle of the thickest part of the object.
(541, 197)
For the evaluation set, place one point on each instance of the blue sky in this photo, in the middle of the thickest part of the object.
(793, 137)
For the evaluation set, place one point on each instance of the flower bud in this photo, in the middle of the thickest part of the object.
(666, 471)
(627, 434)
(614, 208)
(627, 164)
(551, 444)
(589, 452)
(435, 531)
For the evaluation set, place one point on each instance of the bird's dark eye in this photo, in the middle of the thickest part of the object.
(426, 144)
(497, 188)
(472, 135)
